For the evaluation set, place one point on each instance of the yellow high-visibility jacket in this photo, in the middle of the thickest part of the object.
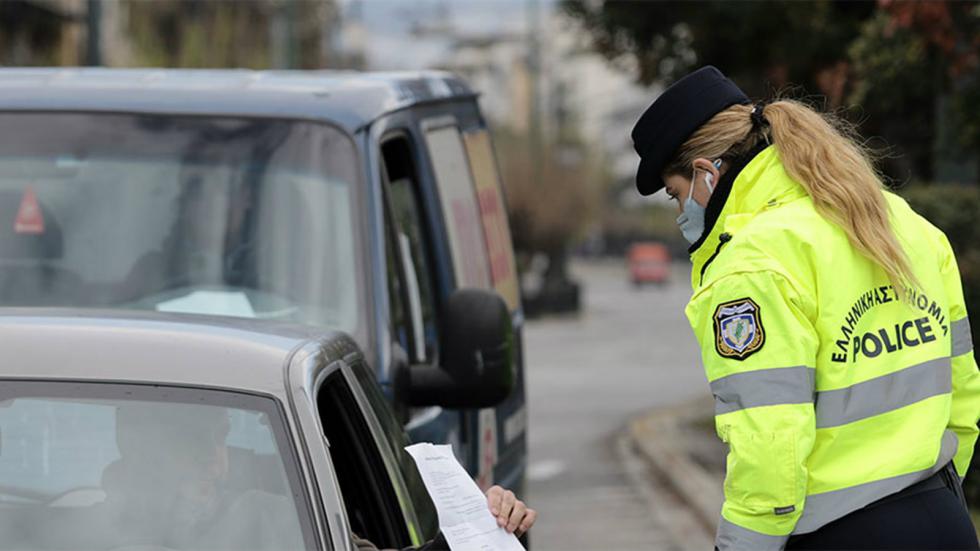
(830, 390)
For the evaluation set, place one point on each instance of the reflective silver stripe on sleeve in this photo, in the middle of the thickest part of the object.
(820, 509)
(962, 337)
(883, 394)
(732, 537)
(763, 387)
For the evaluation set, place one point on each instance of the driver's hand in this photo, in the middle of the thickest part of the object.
(512, 514)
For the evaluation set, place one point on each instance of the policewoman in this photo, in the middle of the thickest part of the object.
(831, 323)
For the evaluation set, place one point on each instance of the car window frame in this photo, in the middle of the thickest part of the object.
(404, 509)
(385, 420)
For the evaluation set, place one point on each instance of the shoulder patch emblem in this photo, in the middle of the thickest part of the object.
(738, 329)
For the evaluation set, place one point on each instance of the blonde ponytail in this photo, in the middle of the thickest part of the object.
(844, 186)
(817, 151)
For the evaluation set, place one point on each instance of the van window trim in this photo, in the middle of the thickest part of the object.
(435, 278)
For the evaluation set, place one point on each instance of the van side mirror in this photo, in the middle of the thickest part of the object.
(476, 367)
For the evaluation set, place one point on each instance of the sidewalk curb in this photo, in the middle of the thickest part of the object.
(655, 436)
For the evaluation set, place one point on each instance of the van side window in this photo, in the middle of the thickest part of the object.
(493, 214)
(413, 246)
(399, 324)
(457, 195)
(370, 500)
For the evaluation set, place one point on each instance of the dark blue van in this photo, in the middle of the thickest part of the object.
(350, 201)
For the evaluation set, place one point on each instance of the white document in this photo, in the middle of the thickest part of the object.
(464, 516)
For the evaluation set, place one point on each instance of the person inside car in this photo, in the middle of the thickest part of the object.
(171, 488)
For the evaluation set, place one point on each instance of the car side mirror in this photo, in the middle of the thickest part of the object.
(476, 366)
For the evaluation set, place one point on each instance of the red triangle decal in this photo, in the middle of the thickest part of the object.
(29, 219)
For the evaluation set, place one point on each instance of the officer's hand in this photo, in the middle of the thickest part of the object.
(512, 514)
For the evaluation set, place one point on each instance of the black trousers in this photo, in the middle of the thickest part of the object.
(934, 517)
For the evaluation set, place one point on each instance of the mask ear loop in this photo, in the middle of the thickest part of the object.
(690, 192)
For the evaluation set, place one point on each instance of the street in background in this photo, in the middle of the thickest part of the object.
(628, 352)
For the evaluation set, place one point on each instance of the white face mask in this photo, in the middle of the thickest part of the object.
(691, 221)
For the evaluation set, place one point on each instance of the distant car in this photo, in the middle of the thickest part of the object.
(168, 431)
(649, 263)
(341, 200)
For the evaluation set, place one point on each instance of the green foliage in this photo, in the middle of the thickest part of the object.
(967, 115)
(954, 210)
(782, 41)
(898, 71)
(31, 35)
(910, 69)
(916, 67)
(208, 34)
(898, 60)
(171, 33)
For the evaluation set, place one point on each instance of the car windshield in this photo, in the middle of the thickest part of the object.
(225, 216)
(93, 466)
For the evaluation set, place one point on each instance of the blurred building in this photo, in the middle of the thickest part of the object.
(545, 78)
(584, 91)
(497, 67)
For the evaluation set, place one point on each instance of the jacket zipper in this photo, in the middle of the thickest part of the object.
(722, 239)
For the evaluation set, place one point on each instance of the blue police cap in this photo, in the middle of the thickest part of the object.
(674, 116)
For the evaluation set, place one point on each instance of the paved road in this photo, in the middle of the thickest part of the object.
(628, 351)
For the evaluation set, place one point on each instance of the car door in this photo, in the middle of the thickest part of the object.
(378, 505)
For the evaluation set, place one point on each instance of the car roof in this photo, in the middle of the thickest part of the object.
(348, 99)
(152, 347)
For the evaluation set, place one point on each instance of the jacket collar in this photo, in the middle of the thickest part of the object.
(753, 184)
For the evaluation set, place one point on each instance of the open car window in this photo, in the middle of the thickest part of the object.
(397, 440)
(103, 466)
(370, 500)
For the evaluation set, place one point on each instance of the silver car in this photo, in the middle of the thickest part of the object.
(155, 431)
